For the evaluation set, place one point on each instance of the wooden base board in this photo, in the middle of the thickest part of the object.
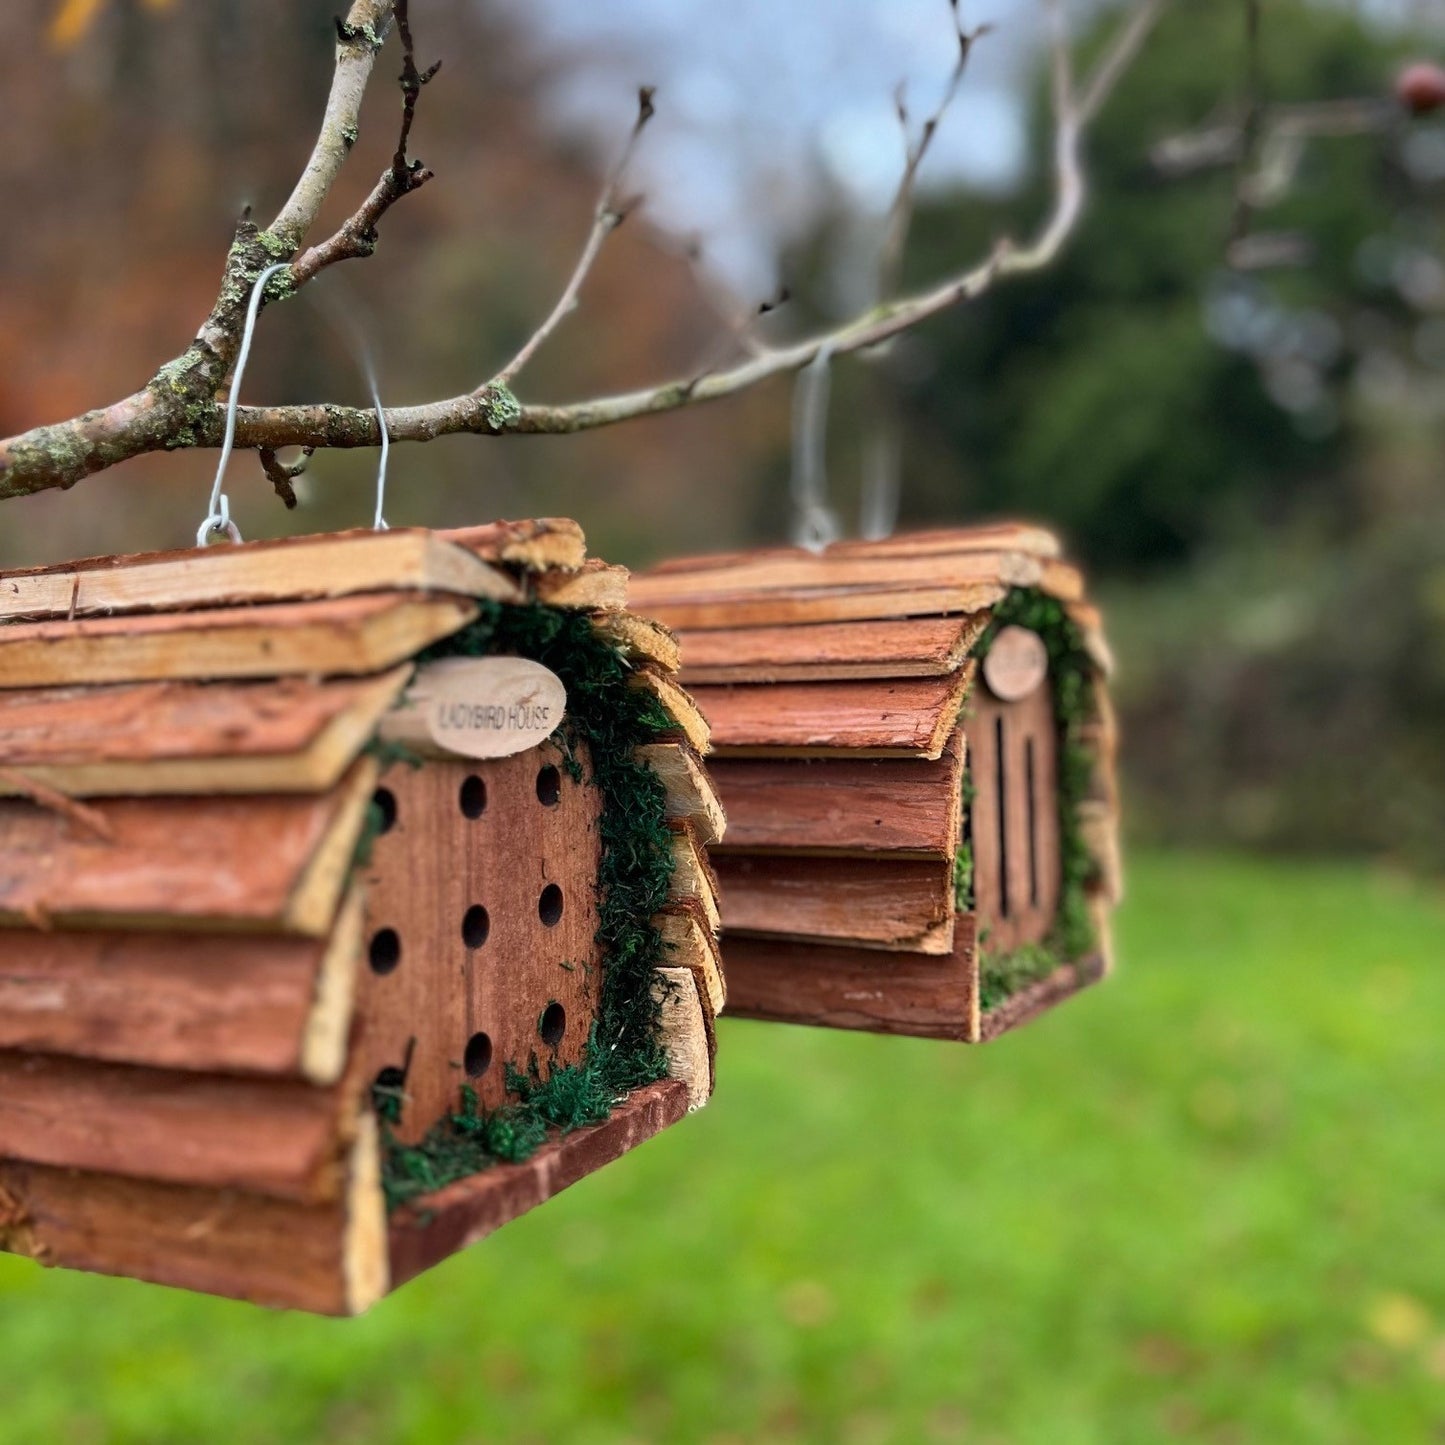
(435, 1226)
(1028, 1003)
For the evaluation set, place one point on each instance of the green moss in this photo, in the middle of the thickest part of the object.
(1072, 677)
(622, 1053)
(1001, 975)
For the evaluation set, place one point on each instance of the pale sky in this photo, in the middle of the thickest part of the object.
(766, 108)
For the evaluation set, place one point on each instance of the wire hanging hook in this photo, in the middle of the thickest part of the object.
(218, 517)
(815, 523)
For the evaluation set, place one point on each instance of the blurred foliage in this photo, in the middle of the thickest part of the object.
(1094, 394)
(73, 19)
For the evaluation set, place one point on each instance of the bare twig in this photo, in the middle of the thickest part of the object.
(281, 474)
(1216, 146)
(357, 237)
(92, 820)
(179, 408)
(900, 213)
(609, 215)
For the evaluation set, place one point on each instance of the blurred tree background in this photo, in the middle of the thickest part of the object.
(1247, 459)
(1250, 460)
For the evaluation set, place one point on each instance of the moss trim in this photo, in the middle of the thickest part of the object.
(1073, 678)
(623, 1052)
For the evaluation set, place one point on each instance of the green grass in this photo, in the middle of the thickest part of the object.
(1204, 1202)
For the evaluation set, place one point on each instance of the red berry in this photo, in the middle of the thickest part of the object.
(1420, 87)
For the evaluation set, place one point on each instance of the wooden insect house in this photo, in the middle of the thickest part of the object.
(915, 749)
(352, 902)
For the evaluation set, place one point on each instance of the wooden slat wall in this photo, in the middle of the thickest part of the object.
(247, 1005)
(184, 862)
(910, 808)
(344, 636)
(831, 651)
(835, 986)
(902, 718)
(886, 903)
(188, 737)
(263, 1136)
(328, 1257)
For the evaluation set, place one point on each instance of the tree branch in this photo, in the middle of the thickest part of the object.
(177, 407)
(154, 419)
(357, 237)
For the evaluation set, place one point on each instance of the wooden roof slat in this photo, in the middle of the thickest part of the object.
(802, 571)
(639, 638)
(690, 793)
(831, 651)
(535, 545)
(883, 903)
(295, 734)
(273, 862)
(217, 1131)
(287, 569)
(595, 584)
(337, 636)
(676, 703)
(903, 718)
(273, 1006)
(731, 610)
(858, 807)
(946, 541)
(688, 942)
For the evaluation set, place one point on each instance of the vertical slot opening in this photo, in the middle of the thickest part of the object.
(1001, 808)
(1033, 807)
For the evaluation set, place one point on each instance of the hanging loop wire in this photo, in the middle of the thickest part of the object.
(815, 523)
(218, 517)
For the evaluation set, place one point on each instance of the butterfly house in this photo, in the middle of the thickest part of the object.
(353, 901)
(915, 749)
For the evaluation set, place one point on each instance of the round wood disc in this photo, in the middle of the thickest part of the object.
(1016, 664)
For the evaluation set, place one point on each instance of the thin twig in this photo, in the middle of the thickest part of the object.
(609, 215)
(358, 235)
(900, 212)
(282, 474)
(1250, 126)
(92, 820)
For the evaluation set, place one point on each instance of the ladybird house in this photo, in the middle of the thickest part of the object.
(352, 902)
(915, 749)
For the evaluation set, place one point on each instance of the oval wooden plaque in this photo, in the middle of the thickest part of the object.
(486, 707)
(1016, 664)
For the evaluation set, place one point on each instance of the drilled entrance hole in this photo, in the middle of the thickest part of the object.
(385, 950)
(549, 786)
(553, 1024)
(475, 926)
(384, 801)
(478, 1057)
(473, 797)
(549, 905)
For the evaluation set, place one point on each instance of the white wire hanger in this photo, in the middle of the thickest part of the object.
(218, 520)
(815, 523)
